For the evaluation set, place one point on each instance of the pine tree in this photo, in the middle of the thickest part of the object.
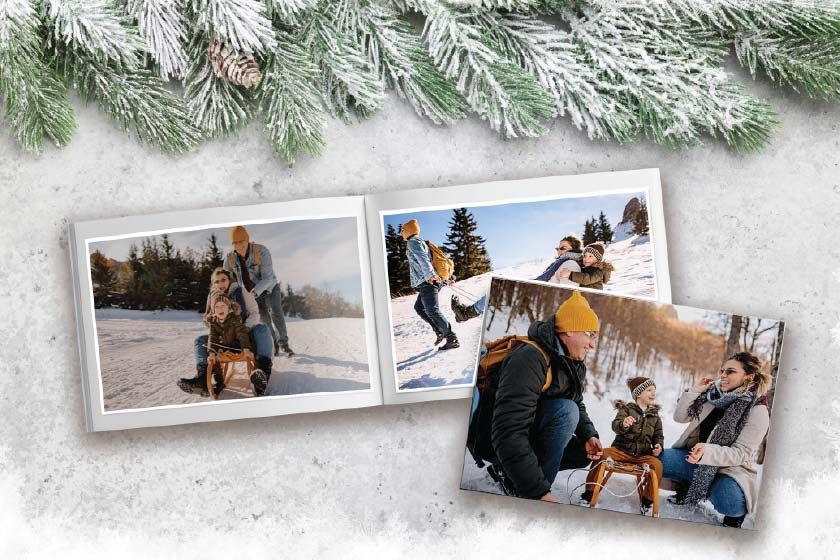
(589, 233)
(103, 279)
(603, 229)
(399, 276)
(464, 247)
(641, 225)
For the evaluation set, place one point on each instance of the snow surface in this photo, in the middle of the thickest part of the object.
(420, 365)
(599, 397)
(144, 353)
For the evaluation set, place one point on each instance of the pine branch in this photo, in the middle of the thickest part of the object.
(36, 98)
(95, 27)
(509, 5)
(240, 23)
(137, 101)
(348, 82)
(163, 27)
(498, 90)
(809, 64)
(398, 55)
(215, 106)
(294, 120)
(288, 12)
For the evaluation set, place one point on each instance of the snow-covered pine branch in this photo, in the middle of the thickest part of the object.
(35, 97)
(242, 24)
(398, 55)
(96, 27)
(294, 116)
(163, 27)
(496, 88)
(288, 11)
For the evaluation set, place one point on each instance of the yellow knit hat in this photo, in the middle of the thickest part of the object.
(239, 233)
(411, 227)
(575, 315)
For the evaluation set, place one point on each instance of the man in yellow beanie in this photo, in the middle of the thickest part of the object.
(428, 284)
(535, 433)
(250, 265)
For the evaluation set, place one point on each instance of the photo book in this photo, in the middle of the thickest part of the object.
(621, 403)
(333, 303)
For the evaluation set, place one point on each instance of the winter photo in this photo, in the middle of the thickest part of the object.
(240, 311)
(622, 404)
(440, 262)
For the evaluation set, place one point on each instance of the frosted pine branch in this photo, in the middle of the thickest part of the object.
(242, 24)
(294, 118)
(289, 11)
(97, 28)
(163, 27)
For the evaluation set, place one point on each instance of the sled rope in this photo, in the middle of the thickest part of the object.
(603, 487)
(462, 292)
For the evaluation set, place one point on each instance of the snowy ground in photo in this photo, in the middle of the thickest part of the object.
(144, 353)
(599, 398)
(419, 364)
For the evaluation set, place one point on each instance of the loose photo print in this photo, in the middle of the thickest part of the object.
(439, 264)
(622, 404)
(238, 311)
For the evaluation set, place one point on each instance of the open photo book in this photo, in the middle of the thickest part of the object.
(333, 303)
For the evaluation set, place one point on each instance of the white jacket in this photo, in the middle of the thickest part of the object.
(571, 266)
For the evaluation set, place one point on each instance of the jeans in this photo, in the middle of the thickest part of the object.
(480, 304)
(260, 338)
(555, 426)
(270, 303)
(429, 310)
(726, 496)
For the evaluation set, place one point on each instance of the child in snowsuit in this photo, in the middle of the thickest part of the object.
(638, 439)
(228, 333)
(595, 272)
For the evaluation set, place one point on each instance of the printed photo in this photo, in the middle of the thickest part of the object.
(230, 312)
(621, 404)
(440, 262)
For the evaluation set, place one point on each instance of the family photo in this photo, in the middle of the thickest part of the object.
(242, 311)
(440, 263)
(621, 404)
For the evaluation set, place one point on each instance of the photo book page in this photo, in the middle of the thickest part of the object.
(335, 303)
(621, 403)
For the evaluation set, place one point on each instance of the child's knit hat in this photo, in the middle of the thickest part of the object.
(596, 250)
(637, 385)
(217, 296)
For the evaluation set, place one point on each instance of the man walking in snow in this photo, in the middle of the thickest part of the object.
(250, 264)
(428, 284)
(534, 433)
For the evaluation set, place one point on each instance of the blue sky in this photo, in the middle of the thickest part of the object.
(323, 253)
(522, 231)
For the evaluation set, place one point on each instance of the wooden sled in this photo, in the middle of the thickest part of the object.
(228, 360)
(610, 466)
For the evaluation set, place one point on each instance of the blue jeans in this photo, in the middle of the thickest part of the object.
(270, 303)
(429, 310)
(260, 338)
(555, 426)
(726, 496)
(480, 304)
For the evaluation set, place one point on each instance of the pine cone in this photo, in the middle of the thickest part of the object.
(238, 68)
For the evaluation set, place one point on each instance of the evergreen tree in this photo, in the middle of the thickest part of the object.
(294, 304)
(464, 247)
(589, 234)
(603, 229)
(104, 279)
(133, 291)
(399, 278)
(641, 226)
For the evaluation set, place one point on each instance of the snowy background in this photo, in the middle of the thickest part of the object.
(420, 364)
(384, 481)
(599, 396)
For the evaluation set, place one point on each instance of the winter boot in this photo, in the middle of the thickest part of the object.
(440, 338)
(260, 376)
(288, 350)
(195, 385)
(679, 496)
(499, 476)
(585, 498)
(218, 379)
(451, 342)
(733, 521)
(646, 506)
(463, 312)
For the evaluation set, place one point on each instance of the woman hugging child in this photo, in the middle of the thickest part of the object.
(638, 439)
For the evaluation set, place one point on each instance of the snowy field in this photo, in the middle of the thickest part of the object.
(144, 353)
(420, 365)
(599, 398)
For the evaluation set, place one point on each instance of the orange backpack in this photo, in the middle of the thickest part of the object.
(443, 265)
(496, 351)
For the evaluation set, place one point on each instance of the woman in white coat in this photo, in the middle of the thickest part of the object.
(715, 457)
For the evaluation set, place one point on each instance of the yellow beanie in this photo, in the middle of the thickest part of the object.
(411, 227)
(239, 233)
(575, 315)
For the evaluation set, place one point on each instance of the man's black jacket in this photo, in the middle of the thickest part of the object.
(521, 377)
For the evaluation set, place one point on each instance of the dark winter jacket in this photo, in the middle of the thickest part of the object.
(229, 333)
(594, 276)
(521, 377)
(640, 438)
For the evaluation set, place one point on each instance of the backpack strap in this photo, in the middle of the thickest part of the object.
(546, 357)
(230, 261)
(256, 250)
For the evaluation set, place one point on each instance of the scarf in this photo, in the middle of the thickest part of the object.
(737, 405)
